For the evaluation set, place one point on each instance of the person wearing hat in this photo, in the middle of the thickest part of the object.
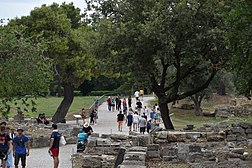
(87, 129)
(21, 148)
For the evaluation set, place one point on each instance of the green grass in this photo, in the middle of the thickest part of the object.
(49, 105)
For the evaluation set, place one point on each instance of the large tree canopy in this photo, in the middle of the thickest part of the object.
(68, 42)
(23, 68)
(165, 42)
(240, 38)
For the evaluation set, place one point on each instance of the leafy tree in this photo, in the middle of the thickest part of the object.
(240, 38)
(164, 42)
(23, 69)
(68, 42)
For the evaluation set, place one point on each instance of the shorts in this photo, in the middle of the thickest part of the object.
(18, 157)
(142, 129)
(129, 124)
(55, 152)
(3, 154)
(120, 123)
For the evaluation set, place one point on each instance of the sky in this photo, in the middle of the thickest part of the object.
(10, 9)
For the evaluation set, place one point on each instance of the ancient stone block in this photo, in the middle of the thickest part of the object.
(95, 135)
(238, 130)
(215, 138)
(92, 143)
(135, 156)
(153, 147)
(169, 151)
(238, 150)
(194, 148)
(137, 149)
(131, 166)
(248, 131)
(118, 137)
(91, 161)
(162, 134)
(170, 159)
(176, 137)
(241, 138)
(231, 137)
(153, 154)
(102, 142)
(144, 140)
(195, 157)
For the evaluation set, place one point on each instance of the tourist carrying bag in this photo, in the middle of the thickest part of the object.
(62, 140)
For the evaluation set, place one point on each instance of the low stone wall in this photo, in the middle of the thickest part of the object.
(234, 111)
(210, 148)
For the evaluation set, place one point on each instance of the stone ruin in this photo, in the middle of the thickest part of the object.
(234, 111)
(211, 146)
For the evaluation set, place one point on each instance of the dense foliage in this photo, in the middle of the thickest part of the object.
(23, 68)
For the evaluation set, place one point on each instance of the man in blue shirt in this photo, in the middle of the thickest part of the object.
(21, 148)
(54, 145)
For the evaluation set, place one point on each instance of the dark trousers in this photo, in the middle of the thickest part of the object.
(22, 157)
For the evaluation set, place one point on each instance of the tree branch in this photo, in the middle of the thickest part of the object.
(202, 87)
(164, 72)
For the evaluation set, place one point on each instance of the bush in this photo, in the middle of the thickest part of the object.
(77, 93)
(100, 92)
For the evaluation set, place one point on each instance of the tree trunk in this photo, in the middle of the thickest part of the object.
(59, 89)
(197, 109)
(197, 104)
(221, 90)
(165, 115)
(64, 106)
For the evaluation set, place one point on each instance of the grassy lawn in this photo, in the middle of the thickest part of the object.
(49, 105)
(181, 118)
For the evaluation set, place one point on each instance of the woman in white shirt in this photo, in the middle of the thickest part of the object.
(135, 121)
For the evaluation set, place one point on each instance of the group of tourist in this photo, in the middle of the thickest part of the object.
(13, 144)
(118, 104)
(141, 119)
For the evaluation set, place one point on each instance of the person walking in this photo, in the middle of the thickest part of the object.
(135, 121)
(139, 106)
(130, 121)
(142, 124)
(113, 105)
(21, 148)
(137, 95)
(129, 101)
(125, 107)
(5, 145)
(9, 161)
(116, 101)
(54, 145)
(119, 104)
(120, 118)
(109, 101)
